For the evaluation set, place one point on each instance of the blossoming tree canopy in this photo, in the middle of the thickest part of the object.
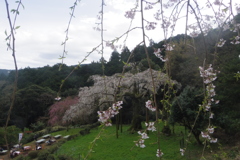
(101, 93)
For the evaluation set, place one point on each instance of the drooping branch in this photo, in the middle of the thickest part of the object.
(151, 74)
(12, 47)
(64, 43)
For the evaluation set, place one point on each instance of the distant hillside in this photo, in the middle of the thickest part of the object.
(5, 71)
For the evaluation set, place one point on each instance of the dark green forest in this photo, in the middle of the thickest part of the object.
(37, 87)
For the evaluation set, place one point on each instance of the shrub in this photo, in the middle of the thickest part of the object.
(53, 148)
(61, 142)
(49, 129)
(85, 131)
(20, 157)
(57, 128)
(27, 138)
(43, 154)
(232, 154)
(51, 157)
(37, 126)
(33, 154)
(64, 157)
(41, 133)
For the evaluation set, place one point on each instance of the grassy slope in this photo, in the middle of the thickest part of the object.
(108, 147)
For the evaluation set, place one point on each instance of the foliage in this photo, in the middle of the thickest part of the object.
(3, 76)
(227, 113)
(21, 157)
(57, 128)
(50, 157)
(51, 77)
(5, 100)
(41, 132)
(143, 65)
(27, 138)
(114, 65)
(233, 153)
(64, 157)
(37, 126)
(43, 155)
(12, 135)
(185, 108)
(183, 64)
(32, 105)
(33, 154)
(53, 148)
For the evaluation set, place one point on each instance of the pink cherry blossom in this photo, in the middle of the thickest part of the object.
(169, 47)
(182, 151)
(213, 140)
(150, 126)
(210, 130)
(159, 153)
(149, 106)
(58, 98)
(221, 42)
(211, 115)
(151, 25)
(143, 135)
(130, 14)
(205, 135)
(140, 143)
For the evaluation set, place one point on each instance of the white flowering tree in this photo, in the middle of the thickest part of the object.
(101, 95)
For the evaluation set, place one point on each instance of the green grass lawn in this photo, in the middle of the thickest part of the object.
(108, 147)
(71, 131)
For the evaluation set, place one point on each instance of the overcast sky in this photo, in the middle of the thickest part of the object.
(42, 30)
(43, 24)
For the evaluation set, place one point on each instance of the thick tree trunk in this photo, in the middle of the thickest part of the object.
(136, 124)
(196, 135)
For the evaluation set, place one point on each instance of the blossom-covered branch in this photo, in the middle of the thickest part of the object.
(105, 116)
